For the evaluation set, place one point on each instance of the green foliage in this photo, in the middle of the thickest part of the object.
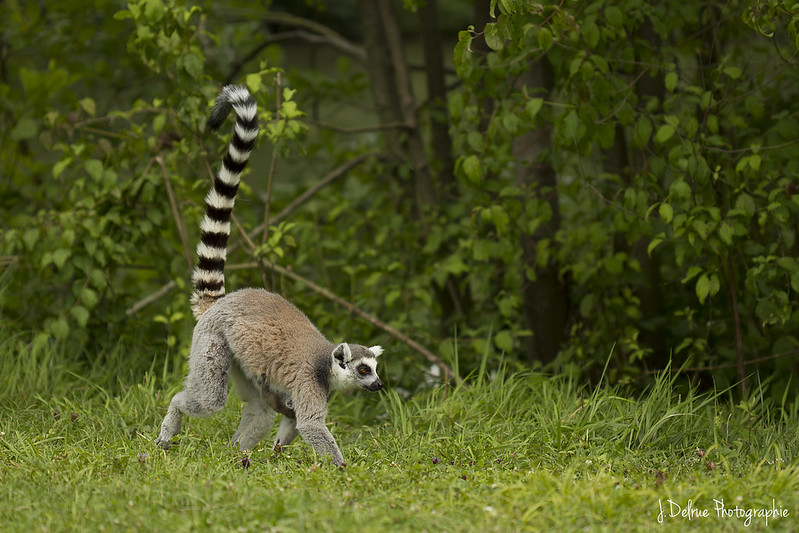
(97, 189)
(695, 168)
(671, 224)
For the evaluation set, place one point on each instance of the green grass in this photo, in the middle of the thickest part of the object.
(520, 452)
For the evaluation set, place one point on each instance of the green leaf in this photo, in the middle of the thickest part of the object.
(545, 39)
(587, 304)
(745, 204)
(25, 129)
(80, 314)
(642, 132)
(681, 189)
(570, 122)
(481, 250)
(471, 168)
(500, 218)
(511, 123)
(463, 53)
(614, 16)
(691, 274)
(94, 168)
(193, 65)
(60, 257)
(654, 243)
(726, 232)
(253, 82)
(665, 132)
(670, 81)
(504, 341)
(59, 167)
(97, 278)
(59, 328)
(89, 297)
(392, 296)
(30, 237)
(158, 122)
(154, 9)
(666, 212)
(493, 38)
(714, 285)
(733, 72)
(89, 106)
(703, 288)
(606, 134)
(476, 141)
(591, 34)
(533, 106)
(788, 263)
(768, 311)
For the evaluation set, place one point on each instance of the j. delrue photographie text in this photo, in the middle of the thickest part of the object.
(719, 510)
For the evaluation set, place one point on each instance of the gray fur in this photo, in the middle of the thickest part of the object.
(278, 360)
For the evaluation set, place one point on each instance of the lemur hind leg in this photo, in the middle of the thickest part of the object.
(257, 417)
(205, 390)
(286, 433)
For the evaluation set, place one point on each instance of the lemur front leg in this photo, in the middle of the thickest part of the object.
(311, 409)
(317, 435)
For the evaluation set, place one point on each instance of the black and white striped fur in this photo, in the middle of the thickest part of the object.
(209, 275)
(278, 360)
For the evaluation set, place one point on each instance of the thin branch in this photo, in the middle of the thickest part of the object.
(347, 47)
(270, 179)
(307, 195)
(316, 33)
(363, 129)
(247, 237)
(144, 302)
(725, 365)
(176, 212)
(430, 356)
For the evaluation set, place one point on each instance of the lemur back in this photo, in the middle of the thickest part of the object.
(278, 360)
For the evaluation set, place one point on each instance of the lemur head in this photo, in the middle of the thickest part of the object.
(354, 365)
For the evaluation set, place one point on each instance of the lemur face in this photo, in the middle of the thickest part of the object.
(356, 366)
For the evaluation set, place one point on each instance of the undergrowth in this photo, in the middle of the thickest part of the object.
(514, 451)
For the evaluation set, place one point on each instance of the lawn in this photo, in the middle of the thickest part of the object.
(520, 452)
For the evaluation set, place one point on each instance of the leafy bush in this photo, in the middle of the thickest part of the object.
(642, 197)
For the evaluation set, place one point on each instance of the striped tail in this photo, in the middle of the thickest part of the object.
(209, 275)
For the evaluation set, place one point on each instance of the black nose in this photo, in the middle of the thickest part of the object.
(376, 385)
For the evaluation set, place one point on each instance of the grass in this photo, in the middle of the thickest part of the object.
(521, 452)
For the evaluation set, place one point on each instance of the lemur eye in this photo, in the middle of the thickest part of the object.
(363, 370)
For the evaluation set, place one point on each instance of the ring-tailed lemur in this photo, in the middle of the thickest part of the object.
(278, 360)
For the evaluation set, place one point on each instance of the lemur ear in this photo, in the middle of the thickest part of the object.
(377, 350)
(342, 354)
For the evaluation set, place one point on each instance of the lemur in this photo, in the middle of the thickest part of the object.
(278, 360)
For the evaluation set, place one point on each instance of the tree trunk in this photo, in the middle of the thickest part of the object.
(545, 298)
(649, 292)
(381, 76)
(391, 89)
(437, 96)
